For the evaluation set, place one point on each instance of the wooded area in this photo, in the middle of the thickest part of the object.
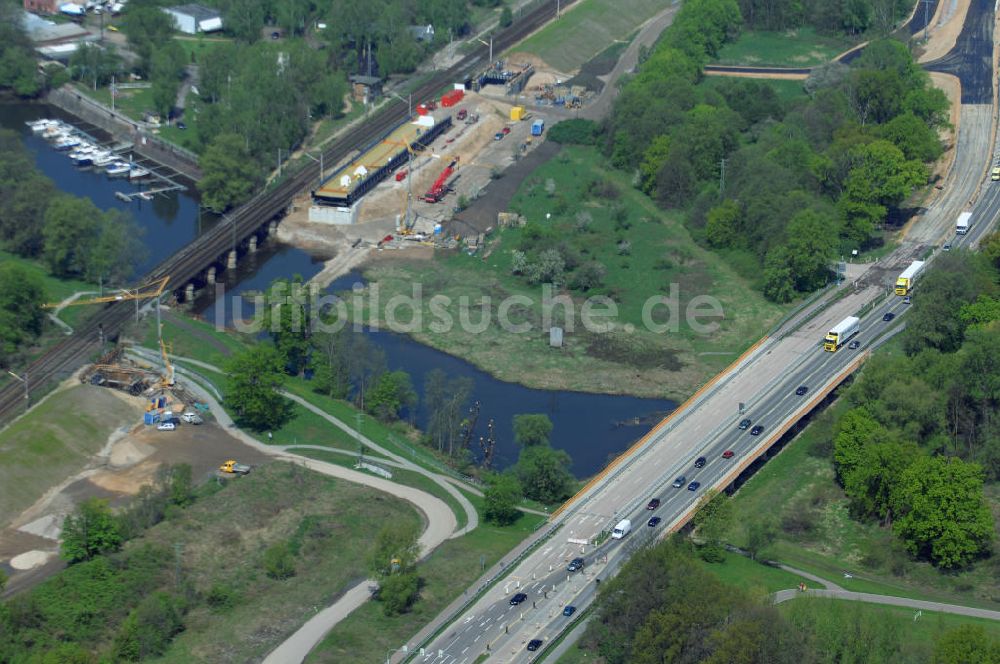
(792, 185)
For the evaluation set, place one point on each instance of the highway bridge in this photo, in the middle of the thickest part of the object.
(219, 246)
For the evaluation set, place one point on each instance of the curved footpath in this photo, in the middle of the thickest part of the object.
(919, 604)
(441, 521)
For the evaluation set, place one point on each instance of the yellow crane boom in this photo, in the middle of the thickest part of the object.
(148, 290)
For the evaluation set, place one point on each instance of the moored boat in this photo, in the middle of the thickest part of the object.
(118, 169)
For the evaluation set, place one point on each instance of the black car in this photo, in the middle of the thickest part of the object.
(569, 610)
(700, 462)
(653, 504)
(534, 644)
(517, 599)
(694, 486)
(575, 565)
(802, 389)
(854, 345)
(756, 430)
(654, 522)
(679, 482)
(181, 125)
(745, 424)
(275, 35)
(888, 316)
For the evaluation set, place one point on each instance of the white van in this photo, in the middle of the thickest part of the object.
(622, 529)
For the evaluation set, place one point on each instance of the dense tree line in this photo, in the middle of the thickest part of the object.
(18, 69)
(794, 185)
(923, 433)
(850, 17)
(67, 234)
(664, 607)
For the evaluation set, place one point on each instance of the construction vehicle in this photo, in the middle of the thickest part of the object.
(234, 468)
(905, 281)
(841, 333)
(441, 184)
(148, 290)
(167, 379)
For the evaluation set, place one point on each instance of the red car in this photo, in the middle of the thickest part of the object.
(400, 176)
(505, 130)
(462, 114)
(728, 454)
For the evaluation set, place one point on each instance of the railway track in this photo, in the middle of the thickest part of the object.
(63, 358)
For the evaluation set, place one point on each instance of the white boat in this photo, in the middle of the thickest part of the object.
(145, 195)
(39, 126)
(67, 142)
(118, 169)
(103, 158)
(137, 173)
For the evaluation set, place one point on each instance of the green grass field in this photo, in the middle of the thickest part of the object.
(801, 47)
(224, 536)
(366, 635)
(799, 484)
(747, 574)
(586, 29)
(45, 446)
(662, 257)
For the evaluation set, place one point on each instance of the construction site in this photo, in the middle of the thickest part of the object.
(404, 189)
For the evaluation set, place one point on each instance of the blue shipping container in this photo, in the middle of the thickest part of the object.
(537, 127)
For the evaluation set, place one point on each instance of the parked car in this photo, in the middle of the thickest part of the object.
(534, 644)
(275, 35)
(462, 114)
(192, 417)
(653, 504)
(908, 299)
(756, 430)
(888, 316)
(854, 345)
(745, 424)
(575, 565)
(947, 247)
(181, 126)
(700, 462)
(802, 389)
(569, 610)
(505, 130)
(694, 486)
(517, 599)
(166, 426)
(498, 136)
(654, 522)
(728, 454)
(679, 482)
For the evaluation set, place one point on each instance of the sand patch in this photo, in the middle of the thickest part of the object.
(128, 481)
(128, 452)
(48, 526)
(31, 559)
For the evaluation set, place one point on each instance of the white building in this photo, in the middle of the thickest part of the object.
(192, 19)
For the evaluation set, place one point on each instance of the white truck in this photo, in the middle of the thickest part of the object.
(622, 529)
(963, 223)
(904, 283)
(841, 333)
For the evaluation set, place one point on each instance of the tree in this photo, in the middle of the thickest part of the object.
(532, 429)
(181, 493)
(445, 401)
(149, 628)
(329, 365)
(21, 295)
(279, 563)
(255, 378)
(942, 515)
(90, 531)
(855, 430)
(881, 178)
(966, 643)
(392, 392)
(18, 69)
(148, 29)
(70, 225)
(398, 593)
(286, 320)
(506, 17)
(760, 534)
(395, 551)
(229, 174)
(544, 473)
(502, 495)
(872, 480)
(115, 250)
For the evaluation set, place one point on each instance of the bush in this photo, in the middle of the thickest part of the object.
(575, 131)
(149, 628)
(278, 561)
(220, 597)
(398, 593)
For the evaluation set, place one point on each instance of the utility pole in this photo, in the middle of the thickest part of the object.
(722, 176)
(27, 394)
(927, 4)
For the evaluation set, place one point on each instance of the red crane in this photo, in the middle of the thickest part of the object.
(440, 186)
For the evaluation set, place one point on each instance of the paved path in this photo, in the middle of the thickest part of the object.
(919, 604)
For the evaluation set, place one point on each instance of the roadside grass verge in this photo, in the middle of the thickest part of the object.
(801, 47)
(45, 446)
(662, 260)
(367, 634)
(585, 28)
(797, 491)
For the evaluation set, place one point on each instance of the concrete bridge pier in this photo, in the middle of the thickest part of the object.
(253, 244)
(272, 228)
(231, 261)
(210, 276)
(189, 292)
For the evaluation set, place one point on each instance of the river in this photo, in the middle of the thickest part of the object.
(591, 427)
